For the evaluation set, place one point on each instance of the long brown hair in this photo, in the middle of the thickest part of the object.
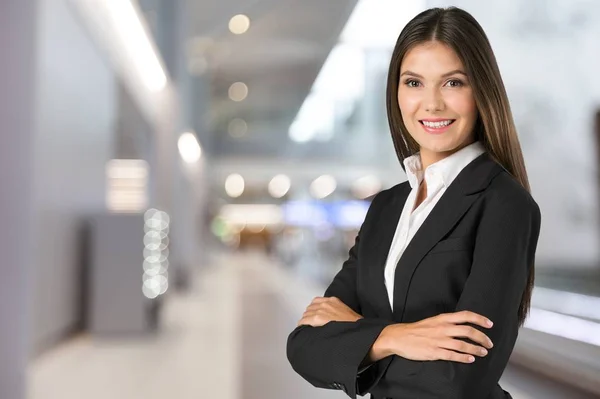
(495, 127)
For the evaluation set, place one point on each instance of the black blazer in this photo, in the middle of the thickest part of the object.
(473, 252)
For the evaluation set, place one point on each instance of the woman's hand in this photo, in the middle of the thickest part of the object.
(323, 310)
(435, 338)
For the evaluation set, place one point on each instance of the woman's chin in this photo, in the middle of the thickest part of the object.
(438, 146)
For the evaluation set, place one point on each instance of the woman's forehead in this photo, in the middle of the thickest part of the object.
(431, 58)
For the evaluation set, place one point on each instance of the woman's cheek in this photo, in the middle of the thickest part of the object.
(462, 103)
(409, 104)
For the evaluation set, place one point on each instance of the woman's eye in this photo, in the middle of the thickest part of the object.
(412, 83)
(455, 83)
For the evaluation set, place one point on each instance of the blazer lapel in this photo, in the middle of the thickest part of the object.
(453, 204)
(391, 216)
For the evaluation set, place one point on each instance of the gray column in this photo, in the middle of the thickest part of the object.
(17, 43)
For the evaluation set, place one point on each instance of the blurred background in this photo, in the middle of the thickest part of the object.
(180, 178)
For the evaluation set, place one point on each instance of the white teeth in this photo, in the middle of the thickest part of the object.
(437, 124)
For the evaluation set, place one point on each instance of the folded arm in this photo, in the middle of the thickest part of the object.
(329, 356)
(503, 254)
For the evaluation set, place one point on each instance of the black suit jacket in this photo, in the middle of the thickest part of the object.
(473, 252)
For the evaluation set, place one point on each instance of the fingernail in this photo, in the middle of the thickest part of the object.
(483, 351)
(471, 359)
(489, 323)
(490, 344)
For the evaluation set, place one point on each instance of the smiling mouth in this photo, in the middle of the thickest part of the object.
(438, 124)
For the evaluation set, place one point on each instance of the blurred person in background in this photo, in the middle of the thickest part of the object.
(439, 280)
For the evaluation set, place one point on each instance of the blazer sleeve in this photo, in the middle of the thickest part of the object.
(503, 254)
(329, 356)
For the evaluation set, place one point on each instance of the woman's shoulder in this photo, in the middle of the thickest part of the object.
(505, 191)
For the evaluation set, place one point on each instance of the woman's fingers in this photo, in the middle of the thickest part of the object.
(471, 333)
(315, 319)
(313, 313)
(466, 316)
(317, 306)
(444, 354)
(321, 314)
(457, 345)
(320, 303)
(332, 306)
(323, 299)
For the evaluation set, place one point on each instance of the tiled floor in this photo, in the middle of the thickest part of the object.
(225, 339)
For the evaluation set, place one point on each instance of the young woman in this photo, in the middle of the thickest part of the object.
(439, 280)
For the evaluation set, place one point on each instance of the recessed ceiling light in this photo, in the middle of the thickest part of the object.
(234, 185)
(238, 91)
(239, 24)
(323, 186)
(189, 148)
(279, 186)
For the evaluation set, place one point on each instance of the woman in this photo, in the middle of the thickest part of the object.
(429, 303)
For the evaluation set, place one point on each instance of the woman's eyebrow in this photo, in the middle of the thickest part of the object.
(416, 75)
(454, 72)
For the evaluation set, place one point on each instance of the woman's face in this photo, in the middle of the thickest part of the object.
(436, 100)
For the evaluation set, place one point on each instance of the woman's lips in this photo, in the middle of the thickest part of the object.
(436, 129)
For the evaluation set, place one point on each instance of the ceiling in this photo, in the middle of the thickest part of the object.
(278, 58)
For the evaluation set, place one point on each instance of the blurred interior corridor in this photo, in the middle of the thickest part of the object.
(223, 339)
(179, 178)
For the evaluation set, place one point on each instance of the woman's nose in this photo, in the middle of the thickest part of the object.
(434, 102)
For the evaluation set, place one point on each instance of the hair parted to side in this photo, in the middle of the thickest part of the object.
(495, 127)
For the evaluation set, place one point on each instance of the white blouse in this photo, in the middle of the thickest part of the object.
(438, 177)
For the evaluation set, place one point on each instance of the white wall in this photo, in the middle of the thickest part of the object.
(74, 134)
(549, 58)
(17, 41)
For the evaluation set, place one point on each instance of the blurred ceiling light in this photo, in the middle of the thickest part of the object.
(343, 73)
(300, 132)
(316, 116)
(127, 169)
(237, 127)
(238, 91)
(338, 86)
(377, 24)
(188, 146)
(156, 219)
(127, 23)
(323, 186)
(239, 24)
(126, 185)
(366, 186)
(234, 185)
(279, 186)
(151, 288)
(197, 66)
(251, 214)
